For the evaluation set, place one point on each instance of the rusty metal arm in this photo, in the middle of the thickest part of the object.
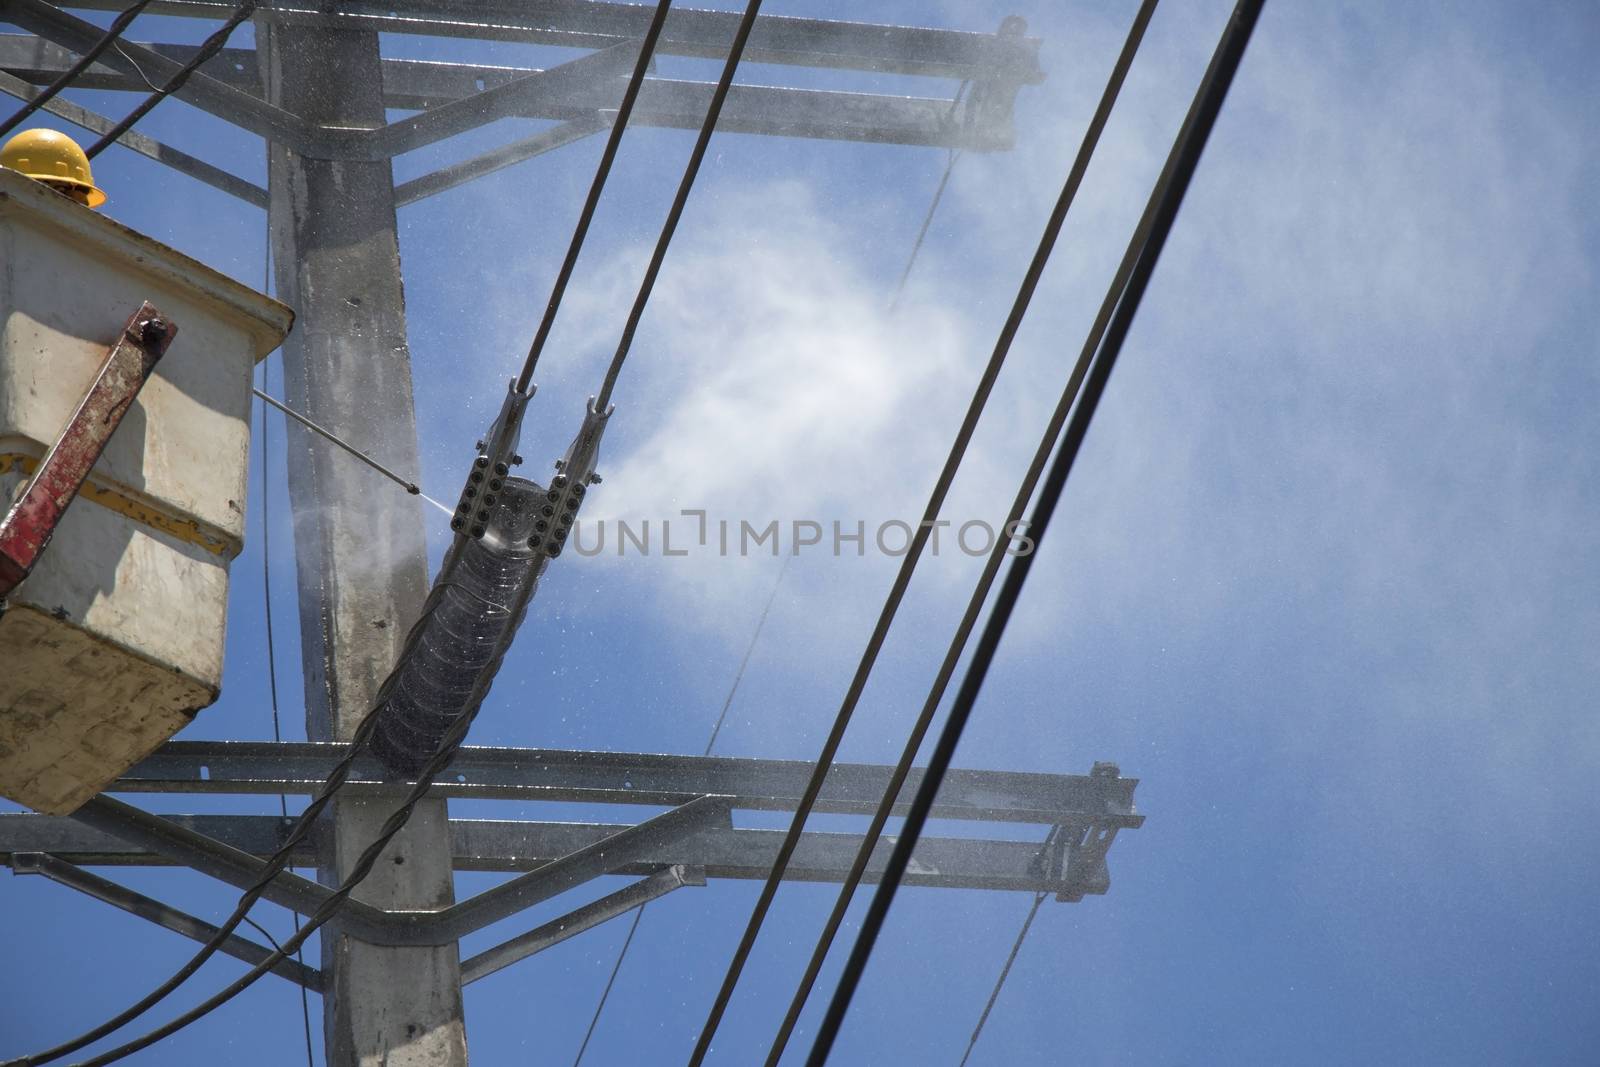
(31, 521)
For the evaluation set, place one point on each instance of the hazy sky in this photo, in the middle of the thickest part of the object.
(1323, 578)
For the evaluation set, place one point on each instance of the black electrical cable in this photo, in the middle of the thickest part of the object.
(209, 48)
(624, 110)
(880, 631)
(1166, 200)
(735, 52)
(118, 25)
(274, 864)
(858, 682)
(980, 594)
(711, 743)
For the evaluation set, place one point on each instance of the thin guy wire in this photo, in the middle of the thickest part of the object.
(738, 675)
(933, 206)
(874, 644)
(994, 994)
(625, 109)
(919, 730)
(1165, 201)
(152, 86)
(272, 654)
(264, 932)
(638, 913)
(119, 24)
(727, 703)
(713, 111)
(209, 48)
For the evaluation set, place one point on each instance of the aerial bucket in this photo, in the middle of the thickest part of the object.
(114, 640)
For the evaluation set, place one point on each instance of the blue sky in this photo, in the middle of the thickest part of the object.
(1323, 580)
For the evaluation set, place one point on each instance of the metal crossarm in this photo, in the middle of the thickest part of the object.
(632, 778)
(148, 147)
(778, 39)
(428, 86)
(224, 101)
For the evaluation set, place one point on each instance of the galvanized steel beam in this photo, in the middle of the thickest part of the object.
(724, 852)
(576, 922)
(598, 70)
(496, 159)
(244, 767)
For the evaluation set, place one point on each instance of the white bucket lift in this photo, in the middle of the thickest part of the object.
(115, 638)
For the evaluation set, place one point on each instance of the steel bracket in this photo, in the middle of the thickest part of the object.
(181, 922)
(401, 927)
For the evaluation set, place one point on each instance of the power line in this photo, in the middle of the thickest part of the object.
(735, 52)
(209, 48)
(1052, 231)
(858, 683)
(118, 25)
(727, 703)
(270, 869)
(874, 644)
(1165, 200)
(625, 109)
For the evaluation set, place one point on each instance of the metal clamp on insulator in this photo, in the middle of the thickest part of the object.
(575, 473)
(497, 454)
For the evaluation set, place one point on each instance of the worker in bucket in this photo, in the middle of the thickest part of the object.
(56, 160)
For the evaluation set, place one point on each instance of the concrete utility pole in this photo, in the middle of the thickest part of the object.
(359, 544)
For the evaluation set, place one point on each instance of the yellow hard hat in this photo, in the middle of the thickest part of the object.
(52, 158)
